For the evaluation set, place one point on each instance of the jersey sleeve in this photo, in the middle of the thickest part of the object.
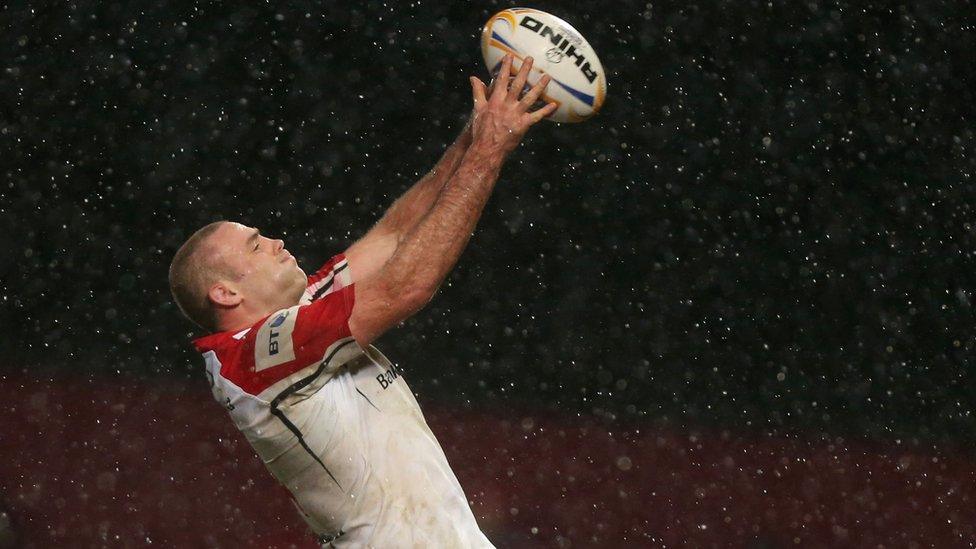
(323, 322)
(331, 277)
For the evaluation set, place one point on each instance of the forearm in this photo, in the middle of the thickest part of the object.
(424, 255)
(428, 252)
(407, 211)
(368, 254)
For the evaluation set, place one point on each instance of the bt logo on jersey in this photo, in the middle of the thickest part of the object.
(273, 342)
(273, 335)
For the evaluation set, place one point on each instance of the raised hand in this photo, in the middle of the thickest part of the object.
(500, 118)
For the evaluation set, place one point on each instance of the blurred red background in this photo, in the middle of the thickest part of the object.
(92, 463)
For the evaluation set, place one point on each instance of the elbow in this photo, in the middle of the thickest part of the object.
(416, 296)
(381, 305)
(406, 297)
(405, 291)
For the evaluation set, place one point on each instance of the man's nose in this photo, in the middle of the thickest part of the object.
(279, 245)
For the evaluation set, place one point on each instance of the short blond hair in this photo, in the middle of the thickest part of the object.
(190, 278)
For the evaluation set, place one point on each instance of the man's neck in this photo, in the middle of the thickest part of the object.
(245, 315)
(241, 317)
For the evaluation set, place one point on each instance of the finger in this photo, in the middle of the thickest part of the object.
(523, 74)
(478, 89)
(535, 92)
(501, 80)
(543, 112)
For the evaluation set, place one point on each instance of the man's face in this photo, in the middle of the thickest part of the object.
(259, 268)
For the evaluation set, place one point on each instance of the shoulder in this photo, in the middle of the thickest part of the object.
(233, 350)
(221, 342)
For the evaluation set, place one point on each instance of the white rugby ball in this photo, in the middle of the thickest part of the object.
(578, 85)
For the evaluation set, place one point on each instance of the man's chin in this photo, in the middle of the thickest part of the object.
(298, 290)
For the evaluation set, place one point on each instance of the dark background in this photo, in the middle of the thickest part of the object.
(768, 227)
(768, 191)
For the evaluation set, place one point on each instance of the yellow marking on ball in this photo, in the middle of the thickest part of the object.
(601, 94)
(507, 16)
(504, 48)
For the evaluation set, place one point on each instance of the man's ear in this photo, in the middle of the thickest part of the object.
(223, 295)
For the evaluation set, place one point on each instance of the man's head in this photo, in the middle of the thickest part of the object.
(228, 275)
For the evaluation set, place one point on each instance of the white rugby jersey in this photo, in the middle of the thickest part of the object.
(337, 425)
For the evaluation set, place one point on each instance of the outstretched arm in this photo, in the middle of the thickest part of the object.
(374, 249)
(425, 255)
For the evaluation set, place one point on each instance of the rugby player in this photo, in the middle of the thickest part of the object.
(290, 355)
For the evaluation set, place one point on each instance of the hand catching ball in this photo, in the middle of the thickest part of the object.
(579, 84)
